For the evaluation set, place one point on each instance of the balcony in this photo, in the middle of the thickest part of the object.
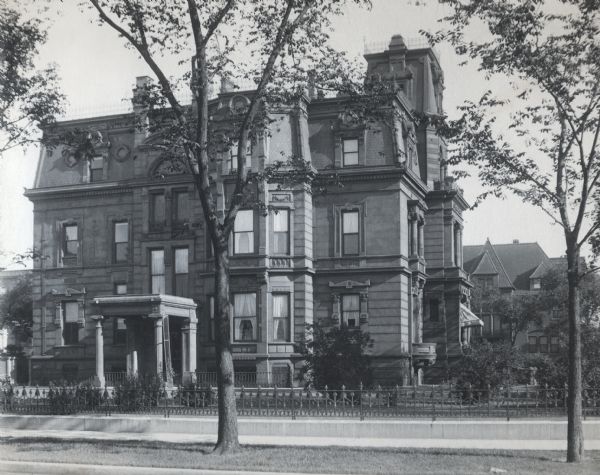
(423, 354)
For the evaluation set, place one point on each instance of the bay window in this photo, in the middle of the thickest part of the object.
(243, 232)
(244, 317)
(281, 234)
(281, 317)
(157, 271)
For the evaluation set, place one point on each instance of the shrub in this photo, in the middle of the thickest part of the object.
(337, 357)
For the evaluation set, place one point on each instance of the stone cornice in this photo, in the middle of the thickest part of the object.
(103, 189)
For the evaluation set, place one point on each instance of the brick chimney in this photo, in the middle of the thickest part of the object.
(140, 108)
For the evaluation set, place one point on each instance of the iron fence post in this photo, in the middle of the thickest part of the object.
(508, 401)
(360, 395)
(293, 406)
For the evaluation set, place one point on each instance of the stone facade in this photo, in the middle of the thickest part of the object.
(124, 233)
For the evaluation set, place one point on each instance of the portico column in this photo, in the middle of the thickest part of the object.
(185, 335)
(100, 381)
(158, 342)
(132, 362)
(192, 350)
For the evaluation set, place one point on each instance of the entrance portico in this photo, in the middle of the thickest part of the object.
(161, 330)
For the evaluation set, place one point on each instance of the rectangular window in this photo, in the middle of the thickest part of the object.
(97, 169)
(532, 344)
(233, 151)
(554, 344)
(350, 233)
(281, 317)
(536, 284)
(350, 152)
(351, 310)
(121, 238)
(181, 272)
(543, 344)
(281, 232)
(434, 310)
(211, 317)
(70, 323)
(70, 240)
(119, 331)
(120, 289)
(243, 232)
(157, 271)
(181, 207)
(555, 314)
(157, 210)
(244, 317)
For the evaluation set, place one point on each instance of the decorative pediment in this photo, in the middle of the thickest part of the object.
(68, 292)
(349, 284)
(169, 166)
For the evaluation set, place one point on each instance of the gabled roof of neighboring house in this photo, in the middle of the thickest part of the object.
(483, 260)
(521, 260)
(515, 263)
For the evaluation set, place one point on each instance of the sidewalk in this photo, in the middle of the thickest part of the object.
(264, 440)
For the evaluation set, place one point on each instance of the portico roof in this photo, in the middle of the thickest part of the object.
(146, 305)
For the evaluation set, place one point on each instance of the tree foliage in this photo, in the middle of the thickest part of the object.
(272, 50)
(336, 357)
(516, 311)
(29, 96)
(16, 310)
(490, 365)
(547, 152)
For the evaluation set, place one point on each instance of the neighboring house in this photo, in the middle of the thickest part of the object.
(14, 369)
(129, 280)
(513, 269)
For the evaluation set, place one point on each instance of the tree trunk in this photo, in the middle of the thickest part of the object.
(227, 439)
(574, 403)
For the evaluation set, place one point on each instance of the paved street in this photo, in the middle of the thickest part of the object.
(39, 468)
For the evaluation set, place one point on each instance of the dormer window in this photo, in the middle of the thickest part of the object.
(233, 151)
(349, 152)
(536, 284)
(96, 169)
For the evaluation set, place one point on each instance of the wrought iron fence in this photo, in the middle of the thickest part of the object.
(409, 402)
(249, 379)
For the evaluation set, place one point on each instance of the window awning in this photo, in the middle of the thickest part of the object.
(468, 318)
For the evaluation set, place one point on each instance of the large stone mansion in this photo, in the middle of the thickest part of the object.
(127, 280)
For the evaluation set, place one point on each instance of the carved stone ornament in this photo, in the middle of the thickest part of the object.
(348, 119)
(68, 292)
(69, 158)
(349, 284)
(281, 197)
(169, 166)
(122, 153)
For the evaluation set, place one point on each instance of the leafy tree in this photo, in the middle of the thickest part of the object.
(28, 96)
(487, 364)
(336, 357)
(16, 311)
(277, 45)
(554, 298)
(551, 58)
(517, 311)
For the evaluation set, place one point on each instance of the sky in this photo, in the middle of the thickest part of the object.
(97, 75)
